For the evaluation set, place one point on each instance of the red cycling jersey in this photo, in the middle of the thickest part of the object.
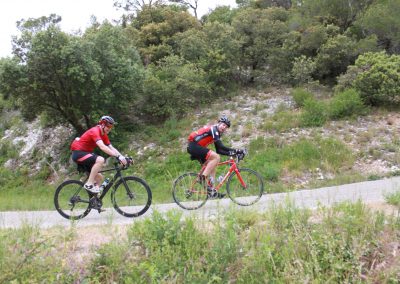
(87, 142)
(205, 136)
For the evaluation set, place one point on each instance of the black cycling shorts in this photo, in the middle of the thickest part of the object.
(85, 159)
(198, 152)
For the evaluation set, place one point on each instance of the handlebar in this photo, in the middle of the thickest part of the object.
(129, 161)
(240, 156)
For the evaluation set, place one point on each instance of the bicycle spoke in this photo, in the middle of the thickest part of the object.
(188, 192)
(131, 197)
(248, 194)
(71, 200)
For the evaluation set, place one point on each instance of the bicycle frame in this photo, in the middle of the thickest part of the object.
(233, 168)
(116, 176)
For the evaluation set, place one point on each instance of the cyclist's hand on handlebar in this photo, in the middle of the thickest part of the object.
(122, 160)
(239, 151)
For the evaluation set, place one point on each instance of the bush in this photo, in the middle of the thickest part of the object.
(376, 76)
(303, 68)
(314, 113)
(300, 96)
(346, 104)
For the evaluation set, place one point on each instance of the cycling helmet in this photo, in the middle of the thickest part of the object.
(106, 120)
(225, 120)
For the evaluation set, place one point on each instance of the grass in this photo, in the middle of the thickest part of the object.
(347, 243)
(393, 199)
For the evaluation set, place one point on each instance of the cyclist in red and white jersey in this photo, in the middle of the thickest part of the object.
(83, 147)
(200, 139)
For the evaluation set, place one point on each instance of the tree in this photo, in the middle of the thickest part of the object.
(72, 79)
(261, 31)
(382, 19)
(192, 4)
(341, 13)
(136, 5)
(157, 27)
(222, 14)
(172, 87)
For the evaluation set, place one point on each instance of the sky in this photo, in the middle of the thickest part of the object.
(75, 14)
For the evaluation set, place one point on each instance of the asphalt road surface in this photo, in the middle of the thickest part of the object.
(367, 192)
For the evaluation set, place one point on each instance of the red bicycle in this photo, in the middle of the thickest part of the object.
(244, 186)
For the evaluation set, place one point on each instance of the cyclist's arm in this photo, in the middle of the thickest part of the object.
(110, 150)
(222, 149)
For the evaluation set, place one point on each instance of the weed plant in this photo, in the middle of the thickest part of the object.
(300, 95)
(393, 199)
(283, 245)
(29, 256)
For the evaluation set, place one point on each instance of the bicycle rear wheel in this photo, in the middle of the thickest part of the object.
(188, 192)
(72, 200)
(131, 196)
(248, 195)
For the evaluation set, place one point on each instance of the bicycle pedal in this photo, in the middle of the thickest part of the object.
(101, 210)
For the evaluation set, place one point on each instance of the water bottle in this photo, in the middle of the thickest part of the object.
(220, 179)
(104, 184)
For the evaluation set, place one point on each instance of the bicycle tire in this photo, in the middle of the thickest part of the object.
(66, 198)
(184, 197)
(240, 195)
(135, 202)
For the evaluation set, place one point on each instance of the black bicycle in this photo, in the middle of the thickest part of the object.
(131, 196)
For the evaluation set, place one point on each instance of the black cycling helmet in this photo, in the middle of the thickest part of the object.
(225, 120)
(105, 119)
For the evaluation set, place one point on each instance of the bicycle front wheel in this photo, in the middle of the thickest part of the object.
(188, 192)
(246, 194)
(72, 200)
(131, 196)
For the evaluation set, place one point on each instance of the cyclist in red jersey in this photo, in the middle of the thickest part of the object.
(83, 147)
(197, 148)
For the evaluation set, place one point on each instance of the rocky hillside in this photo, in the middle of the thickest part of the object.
(373, 138)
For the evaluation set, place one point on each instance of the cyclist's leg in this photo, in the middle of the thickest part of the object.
(94, 176)
(91, 162)
(212, 162)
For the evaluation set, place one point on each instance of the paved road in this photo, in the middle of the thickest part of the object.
(368, 192)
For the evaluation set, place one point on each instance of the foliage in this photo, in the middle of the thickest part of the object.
(261, 32)
(71, 78)
(303, 68)
(157, 27)
(172, 87)
(284, 244)
(334, 56)
(376, 76)
(393, 199)
(222, 14)
(215, 50)
(381, 19)
(300, 95)
(338, 12)
(29, 256)
(346, 104)
(314, 113)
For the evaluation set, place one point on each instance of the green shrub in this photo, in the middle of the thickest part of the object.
(300, 95)
(314, 114)
(303, 68)
(376, 76)
(393, 199)
(346, 104)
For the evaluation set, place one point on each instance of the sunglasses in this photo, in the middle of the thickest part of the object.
(110, 126)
